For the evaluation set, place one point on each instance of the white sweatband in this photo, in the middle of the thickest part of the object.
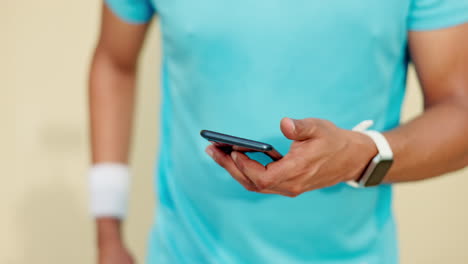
(109, 188)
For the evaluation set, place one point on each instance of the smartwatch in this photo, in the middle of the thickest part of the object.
(379, 166)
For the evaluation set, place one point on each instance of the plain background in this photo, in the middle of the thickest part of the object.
(45, 50)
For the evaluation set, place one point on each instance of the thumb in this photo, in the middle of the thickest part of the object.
(299, 129)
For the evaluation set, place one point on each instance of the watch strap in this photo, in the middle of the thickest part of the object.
(385, 151)
(383, 147)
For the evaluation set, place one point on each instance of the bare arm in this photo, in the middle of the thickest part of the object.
(437, 141)
(111, 100)
(323, 155)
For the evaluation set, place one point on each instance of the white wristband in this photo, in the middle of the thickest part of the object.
(109, 188)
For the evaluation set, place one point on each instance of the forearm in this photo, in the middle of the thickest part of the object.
(432, 144)
(111, 100)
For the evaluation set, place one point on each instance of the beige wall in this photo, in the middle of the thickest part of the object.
(44, 53)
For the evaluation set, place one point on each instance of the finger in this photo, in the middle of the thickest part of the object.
(284, 170)
(255, 171)
(270, 191)
(241, 149)
(225, 161)
(296, 188)
(237, 174)
(256, 166)
(299, 129)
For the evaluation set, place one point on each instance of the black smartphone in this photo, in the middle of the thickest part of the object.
(229, 143)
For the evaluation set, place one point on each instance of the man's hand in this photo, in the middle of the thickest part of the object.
(114, 253)
(111, 248)
(321, 155)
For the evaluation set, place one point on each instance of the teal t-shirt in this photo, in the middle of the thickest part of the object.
(238, 67)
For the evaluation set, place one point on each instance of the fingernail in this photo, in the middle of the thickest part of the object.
(234, 155)
(209, 151)
(293, 122)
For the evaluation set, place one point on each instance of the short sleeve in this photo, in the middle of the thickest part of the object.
(132, 11)
(436, 14)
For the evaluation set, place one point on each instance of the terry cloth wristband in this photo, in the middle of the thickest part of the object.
(109, 188)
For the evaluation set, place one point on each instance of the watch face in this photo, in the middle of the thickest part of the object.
(379, 172)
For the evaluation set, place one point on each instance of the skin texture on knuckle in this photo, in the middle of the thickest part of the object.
(311, 127)
(220, 162)
(250, 188)
(327, 124)
(240, 165)
(264, 183)
(241, 180)
(290, 194)
(295, 190)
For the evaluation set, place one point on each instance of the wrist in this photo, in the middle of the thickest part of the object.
(109, 232)
(364, 151)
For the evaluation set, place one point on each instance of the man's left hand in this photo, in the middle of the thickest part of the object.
(321, 155)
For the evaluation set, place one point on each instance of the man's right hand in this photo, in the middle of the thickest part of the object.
(114, 254)
(111, 247)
